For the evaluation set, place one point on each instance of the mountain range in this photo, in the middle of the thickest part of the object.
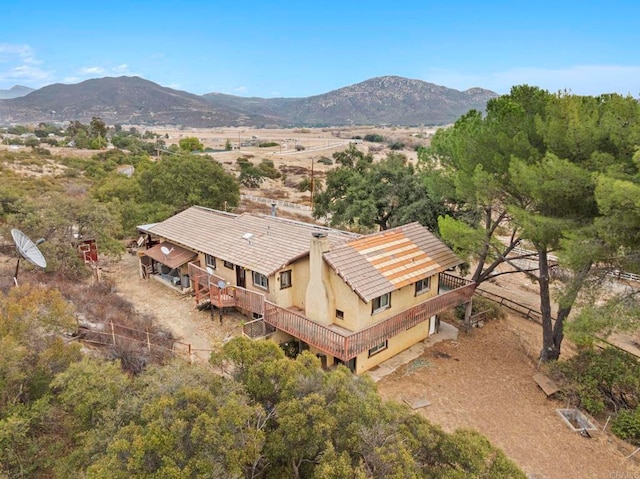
(388, 100)
(15, 92)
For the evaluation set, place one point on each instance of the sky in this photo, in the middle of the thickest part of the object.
(296, 49)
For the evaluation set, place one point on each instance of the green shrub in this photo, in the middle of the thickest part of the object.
(374, 138)
(626, 426)
(325, 161)
(266, 169)
(601, 380)
(268, 144)
(493, 309)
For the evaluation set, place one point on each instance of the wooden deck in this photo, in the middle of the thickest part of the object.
(333, 341)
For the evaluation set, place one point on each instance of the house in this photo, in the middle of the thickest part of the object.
(348, 298)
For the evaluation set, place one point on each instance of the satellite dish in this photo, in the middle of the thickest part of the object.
(210, 270)
(221, 284)
(28, 250)
(166, 251)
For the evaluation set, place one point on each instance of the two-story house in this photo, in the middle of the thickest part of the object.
(349, 298)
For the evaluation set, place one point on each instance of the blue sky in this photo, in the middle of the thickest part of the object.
(293, 49)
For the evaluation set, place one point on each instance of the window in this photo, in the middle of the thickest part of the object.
(285, 279)
(380, 347)
(210, 261)
(423, 286)
(381, 303)
(260, 280)
(339, 314)
(228, 265)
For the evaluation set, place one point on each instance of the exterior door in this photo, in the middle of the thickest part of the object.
(433, 325)
(241, 277)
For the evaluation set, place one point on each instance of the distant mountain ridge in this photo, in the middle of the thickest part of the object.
(389, 100)
(15, 91)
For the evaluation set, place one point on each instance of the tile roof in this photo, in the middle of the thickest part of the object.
(261, 243)
(377, 264)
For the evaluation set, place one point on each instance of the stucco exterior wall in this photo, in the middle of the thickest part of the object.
(395, 345)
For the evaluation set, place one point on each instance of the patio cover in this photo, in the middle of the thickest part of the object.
(177, 257)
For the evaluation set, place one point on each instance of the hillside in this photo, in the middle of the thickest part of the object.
(15, 92)
(382, 100)
(132, 100)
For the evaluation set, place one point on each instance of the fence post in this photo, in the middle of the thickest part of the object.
(113, 334)
(148, 341)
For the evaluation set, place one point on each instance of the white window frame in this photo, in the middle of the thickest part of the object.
(210, 261)
(285, 275)
(260, 280)
(228, 264)
(381, 303)
(423, 285)
(379, 348)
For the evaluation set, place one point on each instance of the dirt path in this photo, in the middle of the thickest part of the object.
(175, 311)
(484, 382)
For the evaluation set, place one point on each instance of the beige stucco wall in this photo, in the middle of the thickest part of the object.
(357, 313)
(396, 345)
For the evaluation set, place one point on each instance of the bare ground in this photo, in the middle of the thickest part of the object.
(198, 331)
(483, 381)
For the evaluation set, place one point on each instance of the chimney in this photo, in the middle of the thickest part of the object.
(319, 300)
(273, 209)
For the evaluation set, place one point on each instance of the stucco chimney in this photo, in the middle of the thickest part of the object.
(319, 296)
(273, 209)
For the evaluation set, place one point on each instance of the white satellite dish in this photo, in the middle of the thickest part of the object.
(210, 270)
(221, 284)
(28, 250)
(166, 251)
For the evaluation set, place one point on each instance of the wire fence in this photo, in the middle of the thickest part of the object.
(281, 203)
(157, 346)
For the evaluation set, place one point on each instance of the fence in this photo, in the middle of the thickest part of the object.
(157, 346)
(285, 204)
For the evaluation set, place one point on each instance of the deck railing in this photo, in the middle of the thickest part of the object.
(257, 329)
(336, 343)
(347, 346)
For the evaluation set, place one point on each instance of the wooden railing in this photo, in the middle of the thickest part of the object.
(257, 329)
(347, 346)
(305, 329)
(337, 344)
(449, 281)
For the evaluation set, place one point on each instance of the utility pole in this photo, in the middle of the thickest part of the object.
(312, 183)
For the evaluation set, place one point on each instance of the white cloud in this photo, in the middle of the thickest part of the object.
(9, 52)
(91, 70)
(19, 64)
(25, 73)
(240, 89)
(578, 79)
(122, 69)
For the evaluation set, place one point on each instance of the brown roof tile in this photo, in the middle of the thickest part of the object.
(274, 242)
(382, 262)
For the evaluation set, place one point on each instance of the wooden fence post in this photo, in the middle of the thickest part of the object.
(113, 334)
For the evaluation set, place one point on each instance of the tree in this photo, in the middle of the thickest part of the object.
(190, 143)
(361, 193)
(528, 168)
(181, 181)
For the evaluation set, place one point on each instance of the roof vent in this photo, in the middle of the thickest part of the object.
(319, 234)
